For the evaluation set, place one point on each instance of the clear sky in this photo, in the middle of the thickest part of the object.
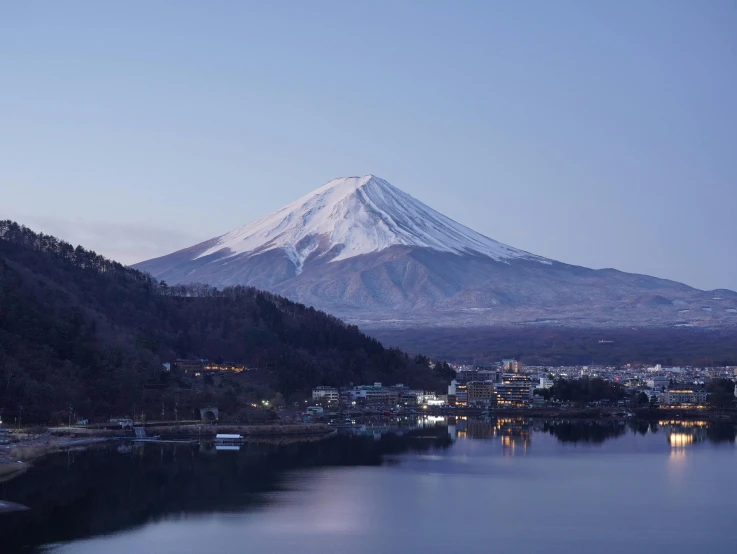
(597, 133)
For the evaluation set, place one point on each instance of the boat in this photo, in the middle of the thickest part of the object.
(228, 438)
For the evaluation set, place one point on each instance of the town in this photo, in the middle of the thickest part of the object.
(511, 385)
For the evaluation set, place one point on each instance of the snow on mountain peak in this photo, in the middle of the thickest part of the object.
(351, 216)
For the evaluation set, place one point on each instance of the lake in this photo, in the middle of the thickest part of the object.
(440, 485)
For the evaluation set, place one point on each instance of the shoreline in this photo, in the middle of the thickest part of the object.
(209, 431)
(686, 414)
(16, 457)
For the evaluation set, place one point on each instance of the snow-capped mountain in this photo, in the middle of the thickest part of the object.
(353, 216)
(368, 252)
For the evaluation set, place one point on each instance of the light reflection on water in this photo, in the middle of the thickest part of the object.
(437, 485)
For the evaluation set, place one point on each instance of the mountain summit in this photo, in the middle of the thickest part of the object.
(353, 216)
(368, 252)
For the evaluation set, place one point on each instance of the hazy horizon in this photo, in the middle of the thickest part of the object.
(598, 135)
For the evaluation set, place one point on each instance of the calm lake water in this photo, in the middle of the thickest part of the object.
(449, 486)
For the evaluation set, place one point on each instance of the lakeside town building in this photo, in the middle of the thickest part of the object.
(481, 393)
(515, 390)
(330, 394)
(504, 389)
(512, 366)
(457, 393)
(491, 386)
(659, 382)
(203, 366)
(683, 396)
(377, 395)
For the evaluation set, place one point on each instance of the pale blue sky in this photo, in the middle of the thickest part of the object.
(597, 133)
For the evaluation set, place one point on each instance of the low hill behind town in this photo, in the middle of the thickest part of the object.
(78, 330)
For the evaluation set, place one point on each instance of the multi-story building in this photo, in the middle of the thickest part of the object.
(198, 367)
(190, 366)
(331, 394)
(514, 390)
(457, 394)
(475, 374)
(224, 367)
(431, 399)
(679, 396)
(481, 393)
(375, 394)
(512, 366)
(546, 383)
(408, 398)
(659, 382)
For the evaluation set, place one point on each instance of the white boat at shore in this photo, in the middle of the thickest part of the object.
(228, 438)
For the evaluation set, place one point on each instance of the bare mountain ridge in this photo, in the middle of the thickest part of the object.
(364, 250)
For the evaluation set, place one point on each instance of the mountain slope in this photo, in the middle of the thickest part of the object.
(364, 250)
(77, 329)
(353, 216)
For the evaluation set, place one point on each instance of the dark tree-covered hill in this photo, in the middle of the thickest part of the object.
(77, 329)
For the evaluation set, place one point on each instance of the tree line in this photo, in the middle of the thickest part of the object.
(583, 390)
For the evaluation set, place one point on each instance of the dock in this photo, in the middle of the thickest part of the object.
(155, 440)
(142, 438)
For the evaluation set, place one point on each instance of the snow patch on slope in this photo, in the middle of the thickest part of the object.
(352, 216)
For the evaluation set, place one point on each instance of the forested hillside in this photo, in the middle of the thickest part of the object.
(78, 330)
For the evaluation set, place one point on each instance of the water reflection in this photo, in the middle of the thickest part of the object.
(76, 495)
(592, 432)
(513, 433)
(110, 488)
(684, 433)
(518, 432)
